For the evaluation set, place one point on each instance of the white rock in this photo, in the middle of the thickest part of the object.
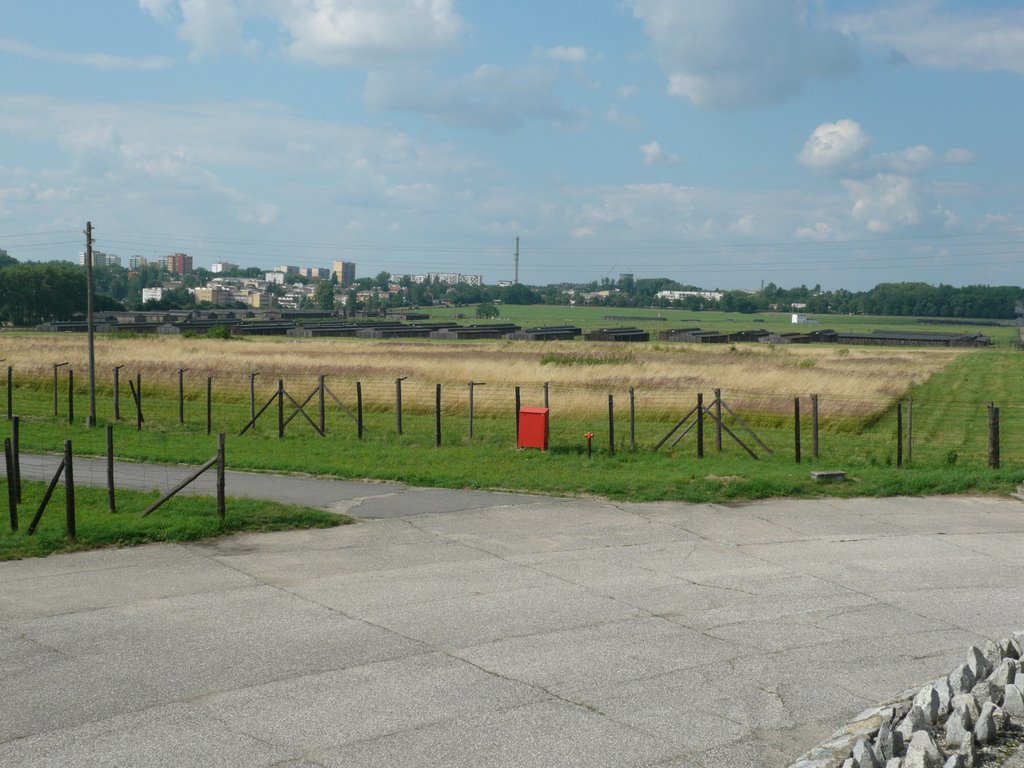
(978, 663)
(923, 752)
(927, 700)
(916, 720)
(967, 700)
(961, 679)
(1013, 701)
(958, 724)
(985, 729)
(864, 755)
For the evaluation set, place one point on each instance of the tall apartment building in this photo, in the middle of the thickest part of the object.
(345, 271)
(315, 273)
(100, 259)
(223, 266)
(178, 264)
(134, 262)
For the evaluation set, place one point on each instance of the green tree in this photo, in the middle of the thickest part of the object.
(323, 295)
(487, 310)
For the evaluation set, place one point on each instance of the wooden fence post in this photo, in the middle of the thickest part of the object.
(796, 427)
(252, 394)
(117, 392)
(16, 455)
(280, 408)
(10, 393)
(546, 383)
(518, 406)
(71, 396)
(437, 417)
(181, 395)
(611, 425)
(209, 404)
(700, 425)
(138, 400)
(321, 410)
(899, 434)
(359, 410)
(632, 419)
(111, 501)
(12, 499)
(398, 405)
(910, 429)
(814, 426)
(69, 491)
(221, 507)
(993, 436)
(718, 420)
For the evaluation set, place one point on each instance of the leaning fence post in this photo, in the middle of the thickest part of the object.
(69, 490)
(220, 477)
(111, 502)
(814, 426)
(700, 425)
(16, 455)
(611, 425)
(252, 395)
(899, 434)
(12, 499)
(796, 428)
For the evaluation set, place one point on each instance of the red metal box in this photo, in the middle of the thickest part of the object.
(533, 428)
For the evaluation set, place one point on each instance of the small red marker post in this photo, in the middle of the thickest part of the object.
(590, 448)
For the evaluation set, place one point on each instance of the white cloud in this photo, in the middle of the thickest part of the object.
(835, 147)
(492, 97)
(912, 161)
(653, 154)
(744, 224)
(928, 34)
(355, 33)
(616, 117)
(573, 54)
(103, 61)
(889, 202)
(628, 91)
(820, 230)
(959, 156)
(734, 53)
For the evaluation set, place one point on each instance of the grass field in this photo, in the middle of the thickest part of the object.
(858, 391)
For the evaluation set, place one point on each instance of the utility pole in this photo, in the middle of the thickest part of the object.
(516, 280)
(90, 325)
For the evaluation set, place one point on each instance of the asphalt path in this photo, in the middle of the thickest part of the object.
(454, 628)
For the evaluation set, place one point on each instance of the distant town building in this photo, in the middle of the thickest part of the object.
(445, 278)
(315, 273)
(680, 295)
(212, 294)
(259, 300)
(277, 278)
(134, 262)
(223, 266)
(625, 277)
(100, 259)
(152, 294)
(345, 271)
(287, 270)
(178, 264)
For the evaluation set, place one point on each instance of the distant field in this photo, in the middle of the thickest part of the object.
(589, 318)
(758, 378)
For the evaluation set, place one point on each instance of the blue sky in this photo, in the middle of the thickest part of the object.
(720, 144)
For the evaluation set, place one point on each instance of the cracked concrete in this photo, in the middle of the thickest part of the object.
(468, 628)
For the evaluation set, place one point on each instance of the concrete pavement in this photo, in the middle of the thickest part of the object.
(494, 629)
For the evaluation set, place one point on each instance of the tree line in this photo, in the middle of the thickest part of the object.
(32, 293)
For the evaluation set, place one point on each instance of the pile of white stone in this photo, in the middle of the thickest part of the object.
(941, 725)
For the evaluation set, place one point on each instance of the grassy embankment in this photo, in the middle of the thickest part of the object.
(858, 389)
(184, 518)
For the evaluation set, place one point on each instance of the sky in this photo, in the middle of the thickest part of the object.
(721, 144)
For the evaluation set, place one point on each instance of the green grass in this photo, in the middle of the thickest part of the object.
(949, 453)
(183, 518)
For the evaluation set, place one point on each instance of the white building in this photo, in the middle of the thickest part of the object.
(152, 294)
(274, 277)
(223, 266)
(680, 295)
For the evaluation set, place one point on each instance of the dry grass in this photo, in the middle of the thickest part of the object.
(754, 377)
